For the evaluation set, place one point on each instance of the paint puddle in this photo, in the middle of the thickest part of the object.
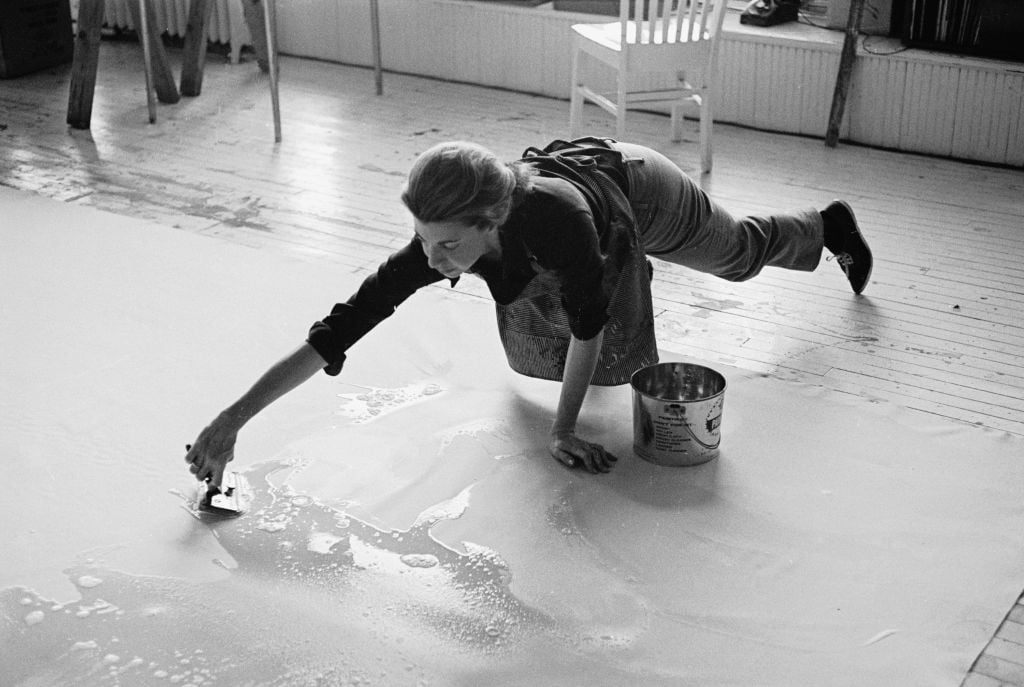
(493, 435)
(373, 403)
(335, 593)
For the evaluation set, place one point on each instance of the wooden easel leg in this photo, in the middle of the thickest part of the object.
(84, 63)
(269, 22)
(194, 52)
(147, 58)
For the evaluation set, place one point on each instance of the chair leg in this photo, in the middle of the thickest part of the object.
(575, 98)
(706, 123)
(620, 108)
(677, 122)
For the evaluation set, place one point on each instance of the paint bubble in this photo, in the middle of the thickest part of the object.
(419, 560)
(34, 618)
(275, 525)
(88, 581)
(85, 646)
(111, 659)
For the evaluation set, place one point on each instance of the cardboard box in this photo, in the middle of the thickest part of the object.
(34, 35)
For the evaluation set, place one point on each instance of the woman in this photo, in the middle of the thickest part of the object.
(561, 237)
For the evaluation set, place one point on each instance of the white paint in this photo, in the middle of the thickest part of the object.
(880, 636)
(744, 567)
(321, 542)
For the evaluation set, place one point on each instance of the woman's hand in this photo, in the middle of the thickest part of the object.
(215, 446)
(570, 450)
(213, 450)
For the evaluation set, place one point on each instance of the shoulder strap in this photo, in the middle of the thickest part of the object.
(575, 161)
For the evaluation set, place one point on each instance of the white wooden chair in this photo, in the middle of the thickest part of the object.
(652, 39)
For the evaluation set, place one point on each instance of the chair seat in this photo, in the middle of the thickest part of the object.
(609, 35)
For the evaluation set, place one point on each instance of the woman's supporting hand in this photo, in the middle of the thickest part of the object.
(570, 450)
(565, 446)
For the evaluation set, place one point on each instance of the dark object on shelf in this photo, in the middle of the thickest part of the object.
(986, 28)
(769, 12)
(606, 7)
(34, 35)
(879, 17)
(521, 3)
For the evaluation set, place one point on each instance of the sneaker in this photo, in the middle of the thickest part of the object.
(854, 257)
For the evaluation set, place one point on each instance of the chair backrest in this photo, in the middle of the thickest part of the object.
(670, 21)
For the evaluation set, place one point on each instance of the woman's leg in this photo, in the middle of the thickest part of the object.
(679, 223)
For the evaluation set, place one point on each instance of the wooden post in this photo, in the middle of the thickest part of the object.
(835, 117)
(84, 63)
(193, 57)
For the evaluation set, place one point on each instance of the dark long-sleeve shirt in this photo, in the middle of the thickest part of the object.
(553, 229)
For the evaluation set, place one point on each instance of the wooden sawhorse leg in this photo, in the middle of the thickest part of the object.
(87, 55)
(157, 65)
(84, 63)
(194, 53)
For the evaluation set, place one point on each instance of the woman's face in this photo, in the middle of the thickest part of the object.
(452, 247)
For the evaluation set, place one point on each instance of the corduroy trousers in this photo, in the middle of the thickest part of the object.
(679, 223)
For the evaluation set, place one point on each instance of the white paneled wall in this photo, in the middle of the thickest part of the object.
(776, 86)
(781, 80)
(227, 22)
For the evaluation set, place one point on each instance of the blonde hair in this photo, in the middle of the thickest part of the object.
(464, 182)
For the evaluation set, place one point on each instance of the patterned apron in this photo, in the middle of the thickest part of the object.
(534, 328)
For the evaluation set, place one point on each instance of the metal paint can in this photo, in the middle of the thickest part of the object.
(677, 413)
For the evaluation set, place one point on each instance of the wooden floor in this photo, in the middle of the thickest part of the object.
(939, 329)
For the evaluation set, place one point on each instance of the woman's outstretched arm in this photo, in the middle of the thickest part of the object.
(565, 446)
(215, 446)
